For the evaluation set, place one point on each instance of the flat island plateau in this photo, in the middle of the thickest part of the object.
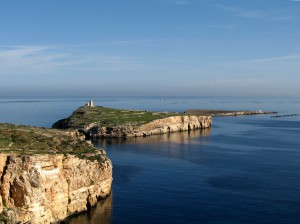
(102, 122)
(50, 174)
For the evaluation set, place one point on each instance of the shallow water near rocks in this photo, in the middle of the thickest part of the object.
(243, 170)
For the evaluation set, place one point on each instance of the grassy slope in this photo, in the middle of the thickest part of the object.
(28, 140)
(108, 117)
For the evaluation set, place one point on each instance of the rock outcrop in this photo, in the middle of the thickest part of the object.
(102, 122)
(222, 113)
(159, 126)
(48, 188)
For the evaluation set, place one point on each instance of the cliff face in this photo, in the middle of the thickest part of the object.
(159, 126)
(102, 122)
(48, 188)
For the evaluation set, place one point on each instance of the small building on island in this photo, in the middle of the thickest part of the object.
(90, 103)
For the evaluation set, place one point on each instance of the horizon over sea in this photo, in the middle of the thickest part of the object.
(245, 169)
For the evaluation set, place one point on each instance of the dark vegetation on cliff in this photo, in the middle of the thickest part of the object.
(109, 117)
(28, 140)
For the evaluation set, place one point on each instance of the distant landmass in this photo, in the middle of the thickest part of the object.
(103, 122)
(219, 113)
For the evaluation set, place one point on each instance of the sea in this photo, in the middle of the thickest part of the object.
(244, 169)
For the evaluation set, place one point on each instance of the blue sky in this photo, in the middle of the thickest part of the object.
(150, 47)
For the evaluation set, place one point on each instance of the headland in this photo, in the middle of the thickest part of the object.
(48, 175)
(103, 122)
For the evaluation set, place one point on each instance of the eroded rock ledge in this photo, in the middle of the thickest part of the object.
(49, 188)
(48, 175)
(160, 126)
(101, 122)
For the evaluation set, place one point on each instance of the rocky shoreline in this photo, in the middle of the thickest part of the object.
(285, 115)
(221, 113)
(100, 122)
(95, 123)
(48, 175)
(160, 126)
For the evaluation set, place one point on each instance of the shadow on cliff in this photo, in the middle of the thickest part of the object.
(176, 137)
(101, 213)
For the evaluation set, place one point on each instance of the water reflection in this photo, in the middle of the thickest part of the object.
(173, 145)
(177, 137)
(189, 146)
(102, 213)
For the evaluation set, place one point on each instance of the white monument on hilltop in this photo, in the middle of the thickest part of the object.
(90, 103)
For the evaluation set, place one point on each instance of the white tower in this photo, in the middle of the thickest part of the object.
(90, 103)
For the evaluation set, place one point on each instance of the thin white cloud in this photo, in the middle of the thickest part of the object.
(33, 59)
(255, 14)
(280, 63)
(243, 13)
(38, 60)
(275, 59)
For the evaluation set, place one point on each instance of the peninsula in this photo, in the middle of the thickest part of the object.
(103, 122)
(48, 175)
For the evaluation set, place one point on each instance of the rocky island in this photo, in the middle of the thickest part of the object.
(48, 175)
(222, 113)
(103, 122)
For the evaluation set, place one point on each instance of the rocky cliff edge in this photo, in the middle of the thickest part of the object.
(101, 122)
(48, 186)
(159, 126)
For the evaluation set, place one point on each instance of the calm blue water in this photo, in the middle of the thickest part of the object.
(243, 170)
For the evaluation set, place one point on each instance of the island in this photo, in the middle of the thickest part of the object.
(48, 175)
(222, 113)
(102, 122)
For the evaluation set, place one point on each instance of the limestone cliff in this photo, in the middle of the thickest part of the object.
(101, 122)
(48, 188)
(159, 126)
(48, 175)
